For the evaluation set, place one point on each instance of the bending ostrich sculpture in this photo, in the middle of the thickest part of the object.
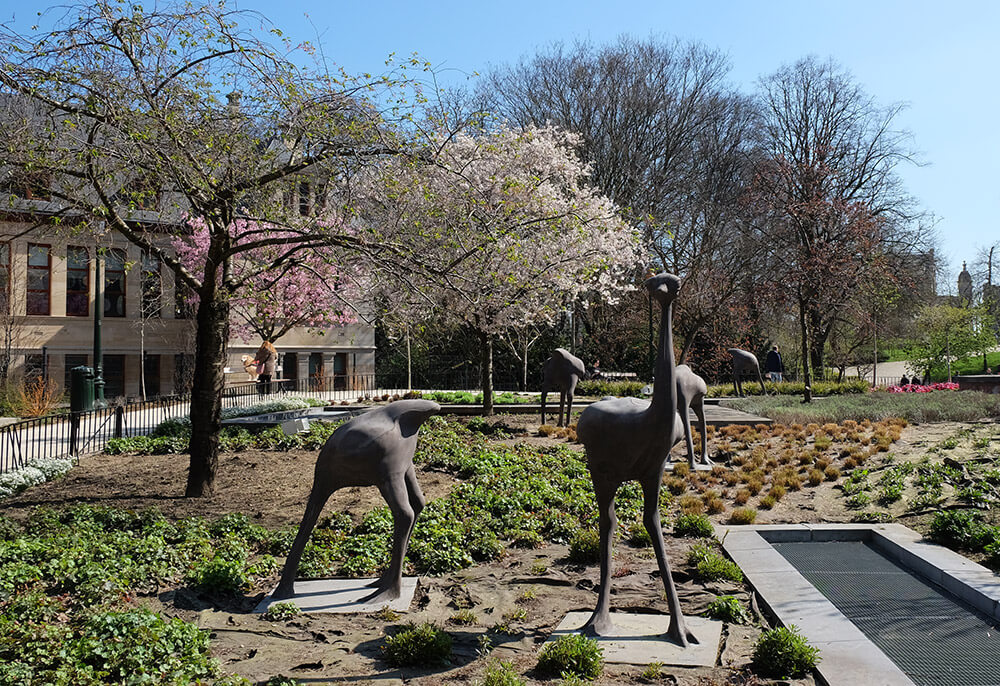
(743, 360)
(629, 438)
(374, 449)
(562, 371)
(691, 392)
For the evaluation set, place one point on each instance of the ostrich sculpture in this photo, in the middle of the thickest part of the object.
(629, 438)
(374, 449)
(691, 392)
(743, 360)
(562, 371)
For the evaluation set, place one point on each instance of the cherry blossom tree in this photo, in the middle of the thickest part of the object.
(517, 233)
(311, 290)
(142, 115)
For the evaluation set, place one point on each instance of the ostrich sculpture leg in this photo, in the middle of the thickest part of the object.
(691, 392)
(375, 449)
(562, 371)
(743, 360)
(630, 439)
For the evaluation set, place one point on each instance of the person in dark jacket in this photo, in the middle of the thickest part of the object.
(774, 367)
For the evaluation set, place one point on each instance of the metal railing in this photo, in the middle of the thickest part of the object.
(71, 434)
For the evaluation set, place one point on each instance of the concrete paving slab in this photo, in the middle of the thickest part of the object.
(639, 639)
(342, 595)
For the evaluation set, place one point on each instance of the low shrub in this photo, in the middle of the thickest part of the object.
(423, 645)
(572, 654)
(599, 388)
(727, 608)
(783, 653)
(711, 566)
(693, 525)
(585, 546)
(963, 529)
(280, 612)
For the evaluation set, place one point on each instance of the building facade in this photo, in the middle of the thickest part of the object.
(47, 289)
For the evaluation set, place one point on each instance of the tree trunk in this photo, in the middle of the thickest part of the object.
(487, 372)
(804, 330)
(817, 342)
(206, 390)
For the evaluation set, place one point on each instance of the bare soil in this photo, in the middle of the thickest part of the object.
(324, 648)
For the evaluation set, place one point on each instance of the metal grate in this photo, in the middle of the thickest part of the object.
(935, 638)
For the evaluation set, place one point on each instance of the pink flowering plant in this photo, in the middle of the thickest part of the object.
(921, 388)
(309, 289)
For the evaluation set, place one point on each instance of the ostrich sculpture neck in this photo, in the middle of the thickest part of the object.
(663, 404)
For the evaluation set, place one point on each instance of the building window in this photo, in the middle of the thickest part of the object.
(152, 286)
(34, 367)
(77, 281)
(4, 278)
(71, 361)
(39, 279)
(114, 283)
(183, 373)
(114, 376)
(151, 375)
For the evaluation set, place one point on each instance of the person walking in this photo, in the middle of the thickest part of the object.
(774, 367)
(266, 360)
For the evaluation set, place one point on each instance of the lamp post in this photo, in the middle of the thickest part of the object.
(99, 400)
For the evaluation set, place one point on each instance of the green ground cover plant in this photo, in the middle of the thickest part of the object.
(782, 653)
(418, 645)
(794, 388)
(939, 406)
(710, 565)
(572, 655)
(727, 608)
(67, 583)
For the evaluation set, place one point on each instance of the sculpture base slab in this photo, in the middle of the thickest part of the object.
(640, 639)
(699, 467)
(342, 596)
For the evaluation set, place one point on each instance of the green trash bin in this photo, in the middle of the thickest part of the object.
(81, 389)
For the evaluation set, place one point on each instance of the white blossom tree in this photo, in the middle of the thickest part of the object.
(516, 232)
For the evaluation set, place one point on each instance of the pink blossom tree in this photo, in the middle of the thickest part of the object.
(516, 232)
(309, 290)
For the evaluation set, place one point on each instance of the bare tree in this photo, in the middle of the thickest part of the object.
(826, 192)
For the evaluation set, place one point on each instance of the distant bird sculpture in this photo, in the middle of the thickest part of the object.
(562, 372)
(691, 392)
(744, 361)
(630, 439)
(374, 449)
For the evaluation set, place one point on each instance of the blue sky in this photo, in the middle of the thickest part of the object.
(939, 58)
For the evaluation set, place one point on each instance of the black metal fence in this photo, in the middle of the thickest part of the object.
(72, 434)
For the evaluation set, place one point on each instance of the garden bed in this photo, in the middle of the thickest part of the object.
(526, 571)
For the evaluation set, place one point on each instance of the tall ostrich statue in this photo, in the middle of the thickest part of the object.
(562, 371)
(743, 360)
(374, 449)
(691, 392)
(629, 438)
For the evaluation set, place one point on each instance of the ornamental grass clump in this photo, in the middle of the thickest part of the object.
(783, 653)
(573, 655)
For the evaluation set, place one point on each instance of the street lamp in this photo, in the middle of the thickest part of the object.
(99, 400)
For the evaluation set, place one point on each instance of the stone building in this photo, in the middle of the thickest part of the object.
(47, 287)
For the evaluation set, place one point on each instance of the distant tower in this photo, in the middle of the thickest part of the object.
(965, 287)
